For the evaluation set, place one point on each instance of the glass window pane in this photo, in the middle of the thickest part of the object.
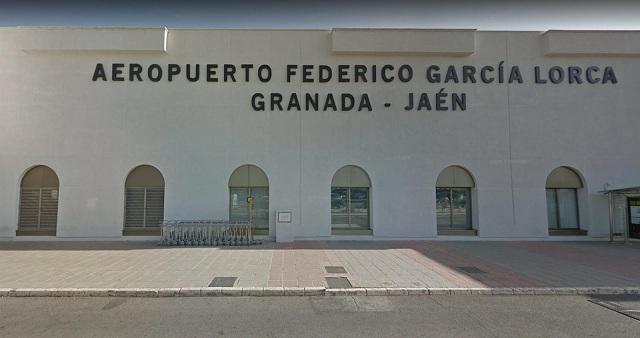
(359, 207)
(552, 209)
(619, 219)
(460, 208)
(339, 202)
(238, 206)
(359, 200)
(261, 207)
(443, 207)
(568, 208)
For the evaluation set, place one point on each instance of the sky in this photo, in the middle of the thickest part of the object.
(484, 15)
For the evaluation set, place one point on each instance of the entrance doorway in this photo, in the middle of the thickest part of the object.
(350, 202)
(249, 198)
(624, 212)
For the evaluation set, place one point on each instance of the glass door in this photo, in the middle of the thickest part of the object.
(634, 217)
(350, 207)
(453, 208)
(241, 211)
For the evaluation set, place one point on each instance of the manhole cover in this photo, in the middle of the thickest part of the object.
(470, 269)
(223, 281)
(335, 269)
(338, 282)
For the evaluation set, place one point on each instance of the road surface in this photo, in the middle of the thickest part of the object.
(434, 316)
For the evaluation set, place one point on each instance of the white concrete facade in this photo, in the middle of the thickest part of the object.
(509, 138)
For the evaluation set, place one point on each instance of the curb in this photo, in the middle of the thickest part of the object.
(306, 291)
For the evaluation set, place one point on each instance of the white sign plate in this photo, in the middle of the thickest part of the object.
(284, 217)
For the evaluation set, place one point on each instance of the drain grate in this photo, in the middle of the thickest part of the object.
(338, 282)
(335, 269)
(470, 269)
(223, 281)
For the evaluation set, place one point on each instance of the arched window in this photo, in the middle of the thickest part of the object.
(562, 199)
(38, 202)
(249, 197)
(144, 201)
(350, 199)
(453, 199)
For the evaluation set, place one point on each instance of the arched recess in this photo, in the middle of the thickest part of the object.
(350, 199)
(249, 197)
(563, 187)
(38, 213)
(455, 191)
(144, 201)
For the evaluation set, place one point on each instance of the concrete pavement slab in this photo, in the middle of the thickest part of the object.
(376, 267)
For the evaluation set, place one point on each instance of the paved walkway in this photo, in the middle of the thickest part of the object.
(302, 264)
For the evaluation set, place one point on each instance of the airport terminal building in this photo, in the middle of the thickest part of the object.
(345, 133)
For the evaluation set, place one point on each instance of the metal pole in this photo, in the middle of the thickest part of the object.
(610, 196)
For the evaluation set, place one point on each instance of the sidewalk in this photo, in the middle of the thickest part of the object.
(384, 264)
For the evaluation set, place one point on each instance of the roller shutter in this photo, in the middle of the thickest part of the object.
(38, 208)
(144, 207)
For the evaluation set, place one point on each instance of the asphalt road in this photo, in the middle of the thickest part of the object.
(458, 316)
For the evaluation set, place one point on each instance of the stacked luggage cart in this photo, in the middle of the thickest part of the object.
(206, 233)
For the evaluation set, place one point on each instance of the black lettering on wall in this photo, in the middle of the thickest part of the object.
(264, 73)
(135, 71)
(229, 72)
(98, 73)
(158, 72)
(116, 72)
(173, 70)
(195, 76)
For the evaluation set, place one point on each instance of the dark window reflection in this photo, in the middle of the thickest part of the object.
(562, 208)
(453, 208)
(350, 207)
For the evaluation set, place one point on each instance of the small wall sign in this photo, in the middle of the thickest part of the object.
(284, 217)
